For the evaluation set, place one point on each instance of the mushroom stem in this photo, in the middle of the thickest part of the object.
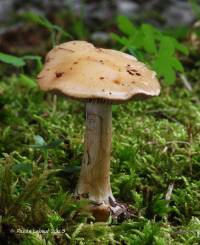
(94, 181)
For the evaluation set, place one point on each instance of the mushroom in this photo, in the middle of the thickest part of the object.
(99, 77)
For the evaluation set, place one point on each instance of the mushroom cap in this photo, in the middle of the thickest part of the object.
(79, 70)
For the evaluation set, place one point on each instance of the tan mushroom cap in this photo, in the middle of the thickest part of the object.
(79, 70)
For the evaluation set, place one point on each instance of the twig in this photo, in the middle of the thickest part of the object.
(185, 82)
(169, 192)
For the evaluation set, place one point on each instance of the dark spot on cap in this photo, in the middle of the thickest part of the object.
(133, 81)
(116, 81)
(110, 93)
(101, 78)
(75, 62)
(138, 74)
(103, 90)
(59, 74)
(71, 68)
(130, 72)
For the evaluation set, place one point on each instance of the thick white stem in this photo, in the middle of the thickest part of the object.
(94, 181)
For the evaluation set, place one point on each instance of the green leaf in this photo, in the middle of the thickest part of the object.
(182, 48)
(27, 81)
(169, 76)
(80, 30)
(148, 38)
(137, 39)
(164, 69)
(115, 37)
(167, 46)
(43, 21)
(122, 40)
(179, 46)
(12, 60)
(177, 64)
(137, 53)
(39, 19)
(36, 58)
(125, 25)
(166, 64)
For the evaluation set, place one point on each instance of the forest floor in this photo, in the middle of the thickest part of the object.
(156, 144)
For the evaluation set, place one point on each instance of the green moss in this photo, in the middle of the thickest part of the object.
(155, 143)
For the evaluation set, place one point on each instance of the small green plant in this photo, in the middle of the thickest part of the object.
(151, 46)
(56, 31)
(20, 62)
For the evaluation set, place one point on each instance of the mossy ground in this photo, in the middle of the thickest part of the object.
(155, 143)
